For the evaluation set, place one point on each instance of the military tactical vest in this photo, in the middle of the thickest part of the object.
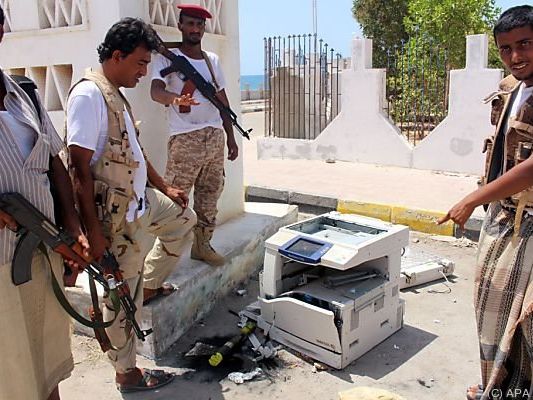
(113, 172)
(513, 145)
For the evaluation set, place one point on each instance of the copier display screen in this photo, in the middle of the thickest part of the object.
(305, 248)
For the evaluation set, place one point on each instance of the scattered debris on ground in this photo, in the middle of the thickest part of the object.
(241, 377)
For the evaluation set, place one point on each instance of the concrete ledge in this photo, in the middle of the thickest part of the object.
(417, 219)
(240, 240)
(306, 202)
(267, 193)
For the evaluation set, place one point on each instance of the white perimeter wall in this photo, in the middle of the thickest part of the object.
(363, 133)
(53, 42)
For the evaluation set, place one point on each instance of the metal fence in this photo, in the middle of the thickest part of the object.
(302, 86)
(417, 87)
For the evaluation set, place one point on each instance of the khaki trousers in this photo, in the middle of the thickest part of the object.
(197, 158)
(34, 334)
(170, 225)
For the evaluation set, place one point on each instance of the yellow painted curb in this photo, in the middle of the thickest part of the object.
(422, 221)
(379, 211)
(418, 220)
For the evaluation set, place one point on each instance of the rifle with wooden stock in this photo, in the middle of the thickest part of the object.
(35, 230)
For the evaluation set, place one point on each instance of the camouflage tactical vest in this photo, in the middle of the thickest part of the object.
(113, 172)
(510, 147)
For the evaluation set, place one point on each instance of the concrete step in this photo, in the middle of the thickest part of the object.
(241, 240)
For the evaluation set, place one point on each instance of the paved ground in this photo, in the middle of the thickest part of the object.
(433, 356)
(428, 190)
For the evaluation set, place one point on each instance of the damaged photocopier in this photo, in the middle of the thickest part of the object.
(330, 286)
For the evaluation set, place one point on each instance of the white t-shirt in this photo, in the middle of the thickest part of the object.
(521, 97)
(203, 115)
(24, 135)
(87, 127)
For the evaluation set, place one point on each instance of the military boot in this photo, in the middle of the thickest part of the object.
(201, 248)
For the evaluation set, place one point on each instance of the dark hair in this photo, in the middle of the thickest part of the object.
(2, 16)
(513, 18)
(126, 35)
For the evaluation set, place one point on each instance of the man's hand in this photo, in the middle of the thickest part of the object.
(8, 221)
(76, 232)
(459, 213)
(177, 195)
(97, 244)
(185, 100)
(233, 149)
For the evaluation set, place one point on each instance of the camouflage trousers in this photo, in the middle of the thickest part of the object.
(197, 159)
(170, 225)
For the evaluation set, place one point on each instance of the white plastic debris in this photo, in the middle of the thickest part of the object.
(240, 377)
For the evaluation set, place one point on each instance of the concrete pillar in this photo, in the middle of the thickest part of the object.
(477, 51)
(231, 202)
(456, 143)
(361, 54)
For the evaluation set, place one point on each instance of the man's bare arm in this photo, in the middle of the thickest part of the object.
(176, 194)
(513, 181)
(84, 189)
(161, 95)
(233, 149)
(63, 185)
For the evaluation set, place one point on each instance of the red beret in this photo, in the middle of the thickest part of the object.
(193, 10)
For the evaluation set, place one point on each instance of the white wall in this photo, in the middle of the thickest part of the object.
(56, 51)
(363, 133)
(456, 144)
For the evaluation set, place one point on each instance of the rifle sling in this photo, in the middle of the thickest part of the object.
(211, 70)
(68, 307)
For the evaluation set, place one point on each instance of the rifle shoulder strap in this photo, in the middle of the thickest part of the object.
(211, 70)
(63, 301)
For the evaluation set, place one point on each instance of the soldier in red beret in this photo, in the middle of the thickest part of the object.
(196, 146)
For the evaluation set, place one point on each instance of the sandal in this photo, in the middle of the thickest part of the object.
(478, 395)
(163, 378)
(165, 290)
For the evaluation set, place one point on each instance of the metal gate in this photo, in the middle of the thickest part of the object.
(417, 87)
(302, 86)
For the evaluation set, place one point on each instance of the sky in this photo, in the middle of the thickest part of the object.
(266, 18)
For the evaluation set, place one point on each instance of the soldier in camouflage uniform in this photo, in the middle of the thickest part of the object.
(196, 146)
(111, 174)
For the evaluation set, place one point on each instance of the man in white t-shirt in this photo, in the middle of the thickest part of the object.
(111, 174)
(196, 145)
(504, 273)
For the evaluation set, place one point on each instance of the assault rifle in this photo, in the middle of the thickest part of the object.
(34, 229)
(186, 72)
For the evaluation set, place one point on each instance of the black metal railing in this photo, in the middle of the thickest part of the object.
(301, 86)
(417, 87)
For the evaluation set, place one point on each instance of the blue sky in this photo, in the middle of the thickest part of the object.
(264, 18)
